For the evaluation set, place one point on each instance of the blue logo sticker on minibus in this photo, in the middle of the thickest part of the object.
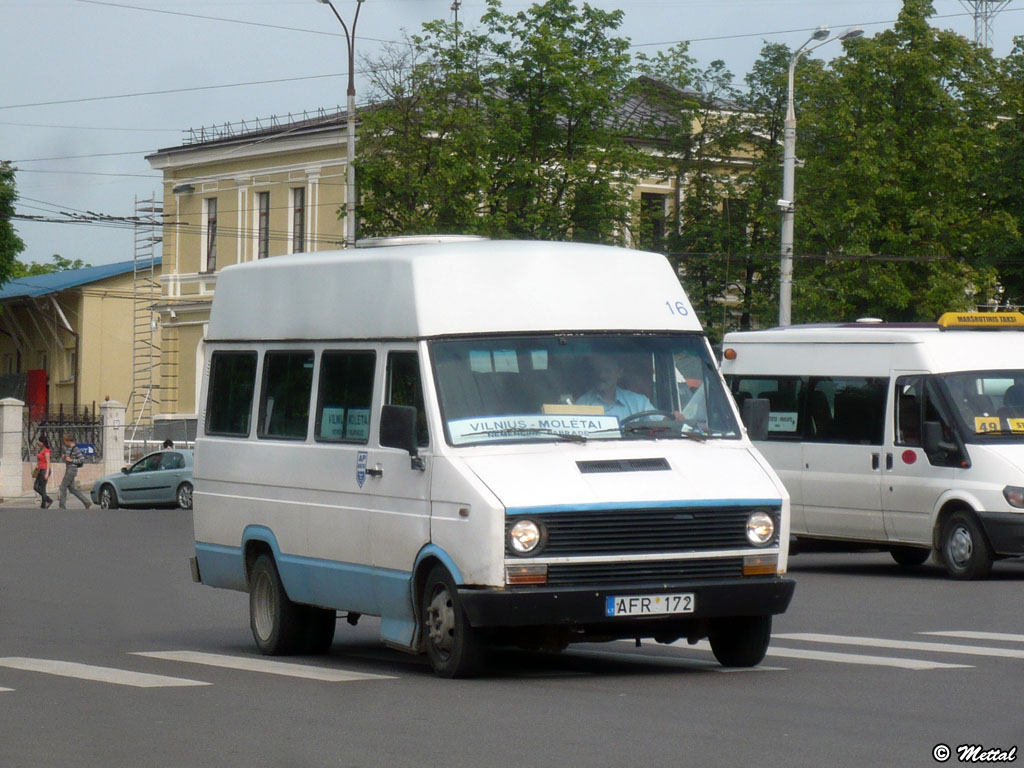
(361, 458)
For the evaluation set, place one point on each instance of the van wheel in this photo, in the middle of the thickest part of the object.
(184, 495)
(108, 497)
(318, 635)
(740, 641)
(454, 648)
(908, 557)
(276, 621)
(965, 550)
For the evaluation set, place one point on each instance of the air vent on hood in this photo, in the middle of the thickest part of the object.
(623, 465)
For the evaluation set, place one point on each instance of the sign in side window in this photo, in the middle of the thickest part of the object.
(346, 390)
(229, 400)
(404, 387)
(847, 409)
(785, 395)
(284, 401)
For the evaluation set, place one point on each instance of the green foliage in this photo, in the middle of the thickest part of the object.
(10, 244)
(59, 264)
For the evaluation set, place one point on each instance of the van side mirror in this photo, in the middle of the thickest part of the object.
(755, 417)
(398, 430)
(931, 436)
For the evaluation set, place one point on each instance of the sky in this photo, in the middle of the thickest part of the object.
(89, 87)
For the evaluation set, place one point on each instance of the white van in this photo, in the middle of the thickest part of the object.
(907, 436)
(426, 433)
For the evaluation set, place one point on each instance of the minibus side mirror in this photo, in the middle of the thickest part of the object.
(931, 434)
(398, 430)
(755, 417)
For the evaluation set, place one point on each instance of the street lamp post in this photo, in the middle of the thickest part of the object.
(786, 203)
(350, 170)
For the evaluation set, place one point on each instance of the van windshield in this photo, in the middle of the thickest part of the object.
(580, 387)
(988, 403)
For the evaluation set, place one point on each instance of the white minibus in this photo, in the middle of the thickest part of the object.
(480, 443)
(907, 436)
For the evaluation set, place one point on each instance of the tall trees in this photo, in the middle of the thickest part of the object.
(10, 244)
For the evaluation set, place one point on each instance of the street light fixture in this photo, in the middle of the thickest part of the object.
(786, 202)
(350, 170)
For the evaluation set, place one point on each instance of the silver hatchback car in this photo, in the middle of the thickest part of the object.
(164, 477)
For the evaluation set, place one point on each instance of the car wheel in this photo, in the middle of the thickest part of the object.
(908, 557)
(276, 622)
(740, 641)
(108, 497)
(965, 550)
(454, 648)
(184, 495)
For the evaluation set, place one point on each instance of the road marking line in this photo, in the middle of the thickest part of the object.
(844, 658)
(906, 645)
(674, 661)
(6, 690)
(96, 674)
(967, 635)
(266, 666)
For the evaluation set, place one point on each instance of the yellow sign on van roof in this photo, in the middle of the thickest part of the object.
(982, 320)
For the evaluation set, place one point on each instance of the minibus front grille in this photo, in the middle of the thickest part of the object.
(635, 531)
(656, 573)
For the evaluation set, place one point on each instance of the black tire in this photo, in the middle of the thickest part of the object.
(108, 497)
(454, 648)
(184, 495)
(740, 641)
(277, 623)
(908, 557)
(965, 550)
(318, 629)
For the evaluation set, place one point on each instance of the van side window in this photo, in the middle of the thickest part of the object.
(909, 398)
(346, 390)
(785, 396)
(854, 407)
(404, 387)
(229, 402)
(284, 401)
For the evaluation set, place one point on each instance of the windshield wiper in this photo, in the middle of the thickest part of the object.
(650, 429)
(1000, 433)
(572, 438)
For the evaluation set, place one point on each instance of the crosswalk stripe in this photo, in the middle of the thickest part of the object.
(250, 664)
(6, 690)
(94, 673)
(842, 658)
(968, 635)
(905, 645)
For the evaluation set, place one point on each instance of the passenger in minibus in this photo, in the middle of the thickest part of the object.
(606, 392)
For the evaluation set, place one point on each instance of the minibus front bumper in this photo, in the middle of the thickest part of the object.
(1005, 532)
(586, 606)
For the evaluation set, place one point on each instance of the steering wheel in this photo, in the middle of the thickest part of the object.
(642, 415)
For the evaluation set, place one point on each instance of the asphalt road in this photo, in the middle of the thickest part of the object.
(871, 666)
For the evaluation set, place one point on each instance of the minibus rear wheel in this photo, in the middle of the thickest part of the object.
(454, 648)
(275, 620)
(965, 550)
(740, 641)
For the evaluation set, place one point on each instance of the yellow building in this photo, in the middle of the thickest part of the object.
(68, 337)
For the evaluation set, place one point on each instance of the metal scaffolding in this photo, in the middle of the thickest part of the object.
(145, 294)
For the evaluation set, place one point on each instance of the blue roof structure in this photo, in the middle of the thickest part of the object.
(54, 282)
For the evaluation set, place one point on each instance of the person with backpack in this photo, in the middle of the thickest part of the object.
(73, 460)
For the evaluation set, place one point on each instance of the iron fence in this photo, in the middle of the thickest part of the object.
(85, 425)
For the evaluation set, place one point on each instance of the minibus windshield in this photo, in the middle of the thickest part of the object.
(988, 403)
(580, 387)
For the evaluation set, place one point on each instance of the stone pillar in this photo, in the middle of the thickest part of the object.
(113, 414)
(12, 421)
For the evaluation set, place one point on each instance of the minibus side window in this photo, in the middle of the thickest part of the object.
(909, 398)
(852, 409)
(346, 390)
(785, 396)
(284, 401)
(229, 402)
(404, 387)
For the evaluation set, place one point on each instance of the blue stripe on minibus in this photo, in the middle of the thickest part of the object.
(677, 504)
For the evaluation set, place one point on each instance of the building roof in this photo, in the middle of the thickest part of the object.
(54, 282)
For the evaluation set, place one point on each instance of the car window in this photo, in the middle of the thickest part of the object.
(148, 463)
(172, 461)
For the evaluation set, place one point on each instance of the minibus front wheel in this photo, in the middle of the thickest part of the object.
(740, 641)
(965, 550)
(454, 648)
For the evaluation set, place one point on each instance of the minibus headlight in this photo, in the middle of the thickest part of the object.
(760, 529)
(524, 537)
(1014, 495)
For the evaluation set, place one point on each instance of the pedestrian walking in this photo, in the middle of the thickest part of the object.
(42, 472)
(73, 460)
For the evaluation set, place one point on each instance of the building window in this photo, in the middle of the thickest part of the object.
(210, 232)
(298, 220)
(652, 221)
(263, 225)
